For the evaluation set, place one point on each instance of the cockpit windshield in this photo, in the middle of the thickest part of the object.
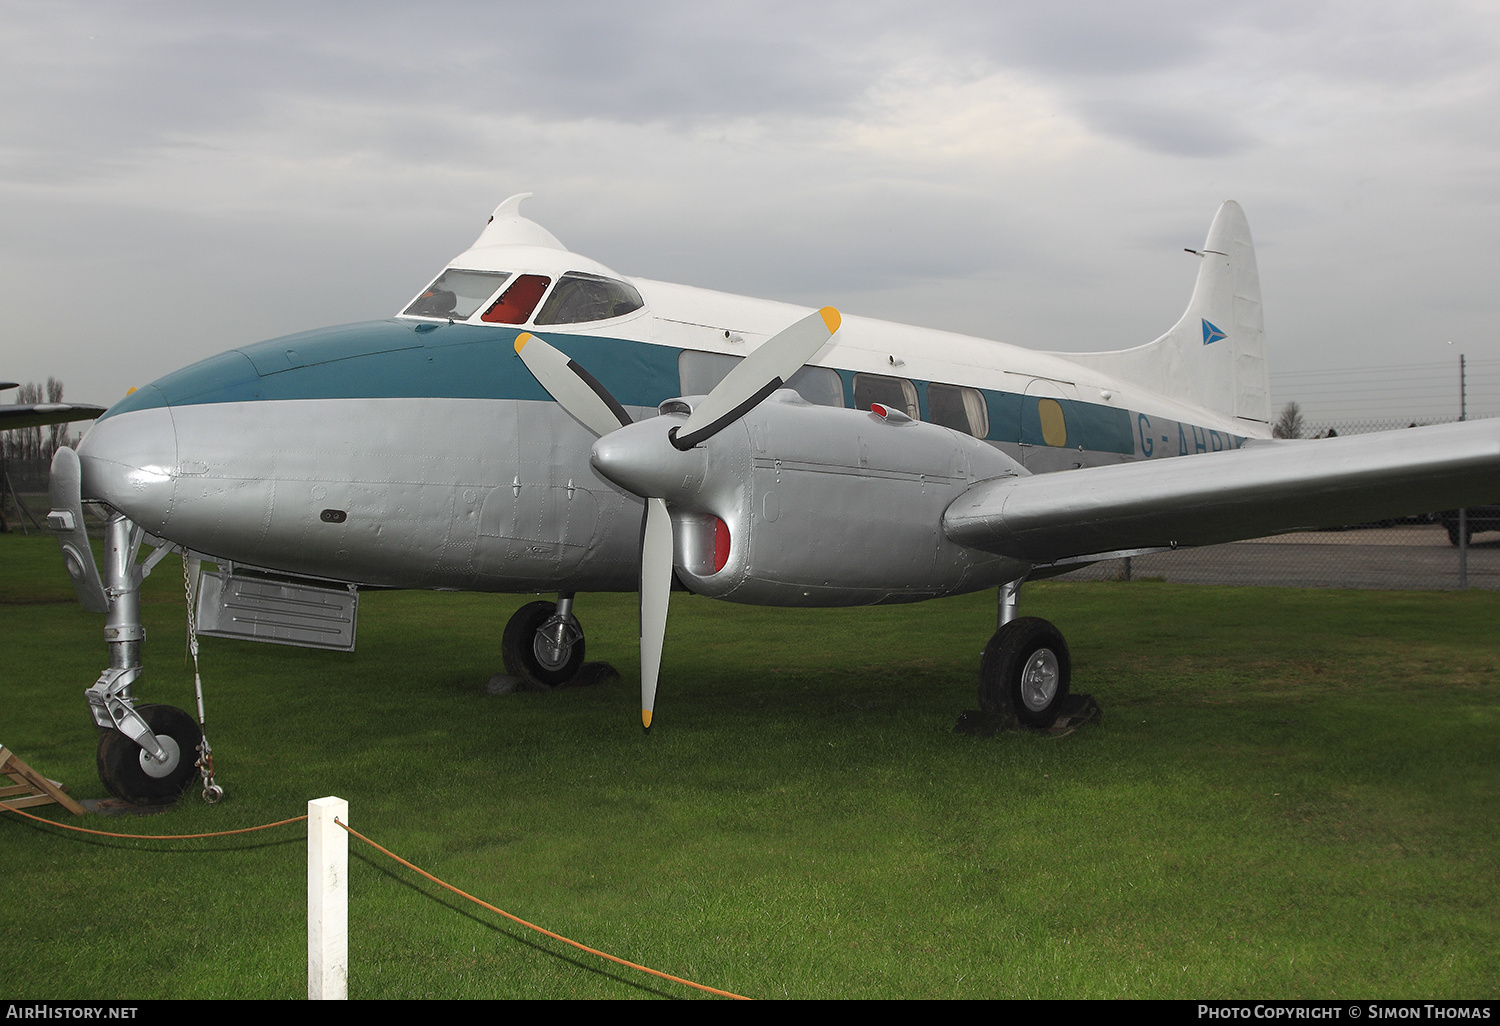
(581, 297)
(456, 294)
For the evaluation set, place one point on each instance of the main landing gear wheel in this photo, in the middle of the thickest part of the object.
(1026, 670)
(129, 772)
(541, 649)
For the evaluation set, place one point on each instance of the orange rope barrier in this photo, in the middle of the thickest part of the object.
(538, 929)
(152, 837)
(408, 865)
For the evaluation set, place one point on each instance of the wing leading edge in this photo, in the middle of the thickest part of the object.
(1266, 488)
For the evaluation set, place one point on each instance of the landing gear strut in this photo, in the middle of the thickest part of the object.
(147, 754)
(543, 644)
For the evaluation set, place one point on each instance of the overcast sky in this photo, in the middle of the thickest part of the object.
(180, 178)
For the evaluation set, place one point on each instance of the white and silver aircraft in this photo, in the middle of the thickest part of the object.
(535, 422)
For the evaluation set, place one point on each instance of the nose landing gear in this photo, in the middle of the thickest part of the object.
(147, 753)
(134, 774)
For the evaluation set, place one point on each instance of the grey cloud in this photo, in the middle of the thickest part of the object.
(305, 164)
(1092, 38)
(1162, 128)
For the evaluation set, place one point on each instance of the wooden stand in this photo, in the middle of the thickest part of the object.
(30, 787)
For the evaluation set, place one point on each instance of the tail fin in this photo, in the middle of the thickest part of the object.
(1215, 356)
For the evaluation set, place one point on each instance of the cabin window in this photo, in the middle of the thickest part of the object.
(456, 294)
(961, 409)
(519, 300)
(895, 393)
(699, 372)
(820, 386)
(583, 297)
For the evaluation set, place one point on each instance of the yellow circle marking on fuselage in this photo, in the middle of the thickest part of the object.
(1054, 427)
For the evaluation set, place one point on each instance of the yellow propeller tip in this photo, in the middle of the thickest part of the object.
(521, 340)
(831, 318)
(646, 718)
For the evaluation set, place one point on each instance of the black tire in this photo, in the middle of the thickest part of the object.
(1026, 670)
(1453, 533)
(121, 765)
(518, 650)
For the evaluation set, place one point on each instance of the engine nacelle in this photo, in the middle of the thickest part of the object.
(797, 504)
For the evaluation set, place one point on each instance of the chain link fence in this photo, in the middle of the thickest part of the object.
(23, 493)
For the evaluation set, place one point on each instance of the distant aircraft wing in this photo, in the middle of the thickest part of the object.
(1265, 488)
(36, 414)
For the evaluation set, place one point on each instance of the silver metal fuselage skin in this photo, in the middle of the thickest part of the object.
(435, 493)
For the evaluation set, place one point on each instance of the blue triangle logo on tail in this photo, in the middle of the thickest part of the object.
(1211, 332)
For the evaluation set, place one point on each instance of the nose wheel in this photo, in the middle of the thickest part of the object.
(543, 645)
(1026, 670)
(132, 773)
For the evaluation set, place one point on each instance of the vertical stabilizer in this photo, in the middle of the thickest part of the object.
(1215, 356)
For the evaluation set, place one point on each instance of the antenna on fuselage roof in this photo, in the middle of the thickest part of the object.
(506, 227)
(511, 207)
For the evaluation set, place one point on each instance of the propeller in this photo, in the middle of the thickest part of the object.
(647, 461)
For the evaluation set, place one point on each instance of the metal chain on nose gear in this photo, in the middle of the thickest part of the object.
(212, 792)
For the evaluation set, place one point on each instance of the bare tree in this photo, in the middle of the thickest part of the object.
(35, 443)
(24, 443)
(29, 444)
(1289, 424)
(58, 432)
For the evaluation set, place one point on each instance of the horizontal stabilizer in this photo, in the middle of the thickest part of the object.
(1266, 488)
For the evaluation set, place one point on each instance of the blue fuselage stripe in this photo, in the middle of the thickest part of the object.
(399, 359)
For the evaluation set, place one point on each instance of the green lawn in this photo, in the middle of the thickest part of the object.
(1292, 794)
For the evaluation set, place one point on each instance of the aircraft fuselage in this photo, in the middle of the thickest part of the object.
(407, 453)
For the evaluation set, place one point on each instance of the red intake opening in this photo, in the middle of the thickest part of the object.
(721, 544)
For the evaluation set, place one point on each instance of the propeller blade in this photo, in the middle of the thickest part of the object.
(656, 590)
(757, 376)
(575, 389)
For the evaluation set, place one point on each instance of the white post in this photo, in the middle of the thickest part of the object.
(327, 900)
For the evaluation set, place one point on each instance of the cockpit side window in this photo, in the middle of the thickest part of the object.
(519, 300)
(581, 297)
(456, 294)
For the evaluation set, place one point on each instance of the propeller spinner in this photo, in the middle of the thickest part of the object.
(644, 459)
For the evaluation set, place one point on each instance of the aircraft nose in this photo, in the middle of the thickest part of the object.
(129, 461)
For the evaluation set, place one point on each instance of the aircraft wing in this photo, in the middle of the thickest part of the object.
(1265, 488)
(36, 414)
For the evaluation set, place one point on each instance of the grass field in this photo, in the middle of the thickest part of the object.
(1292, 794)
